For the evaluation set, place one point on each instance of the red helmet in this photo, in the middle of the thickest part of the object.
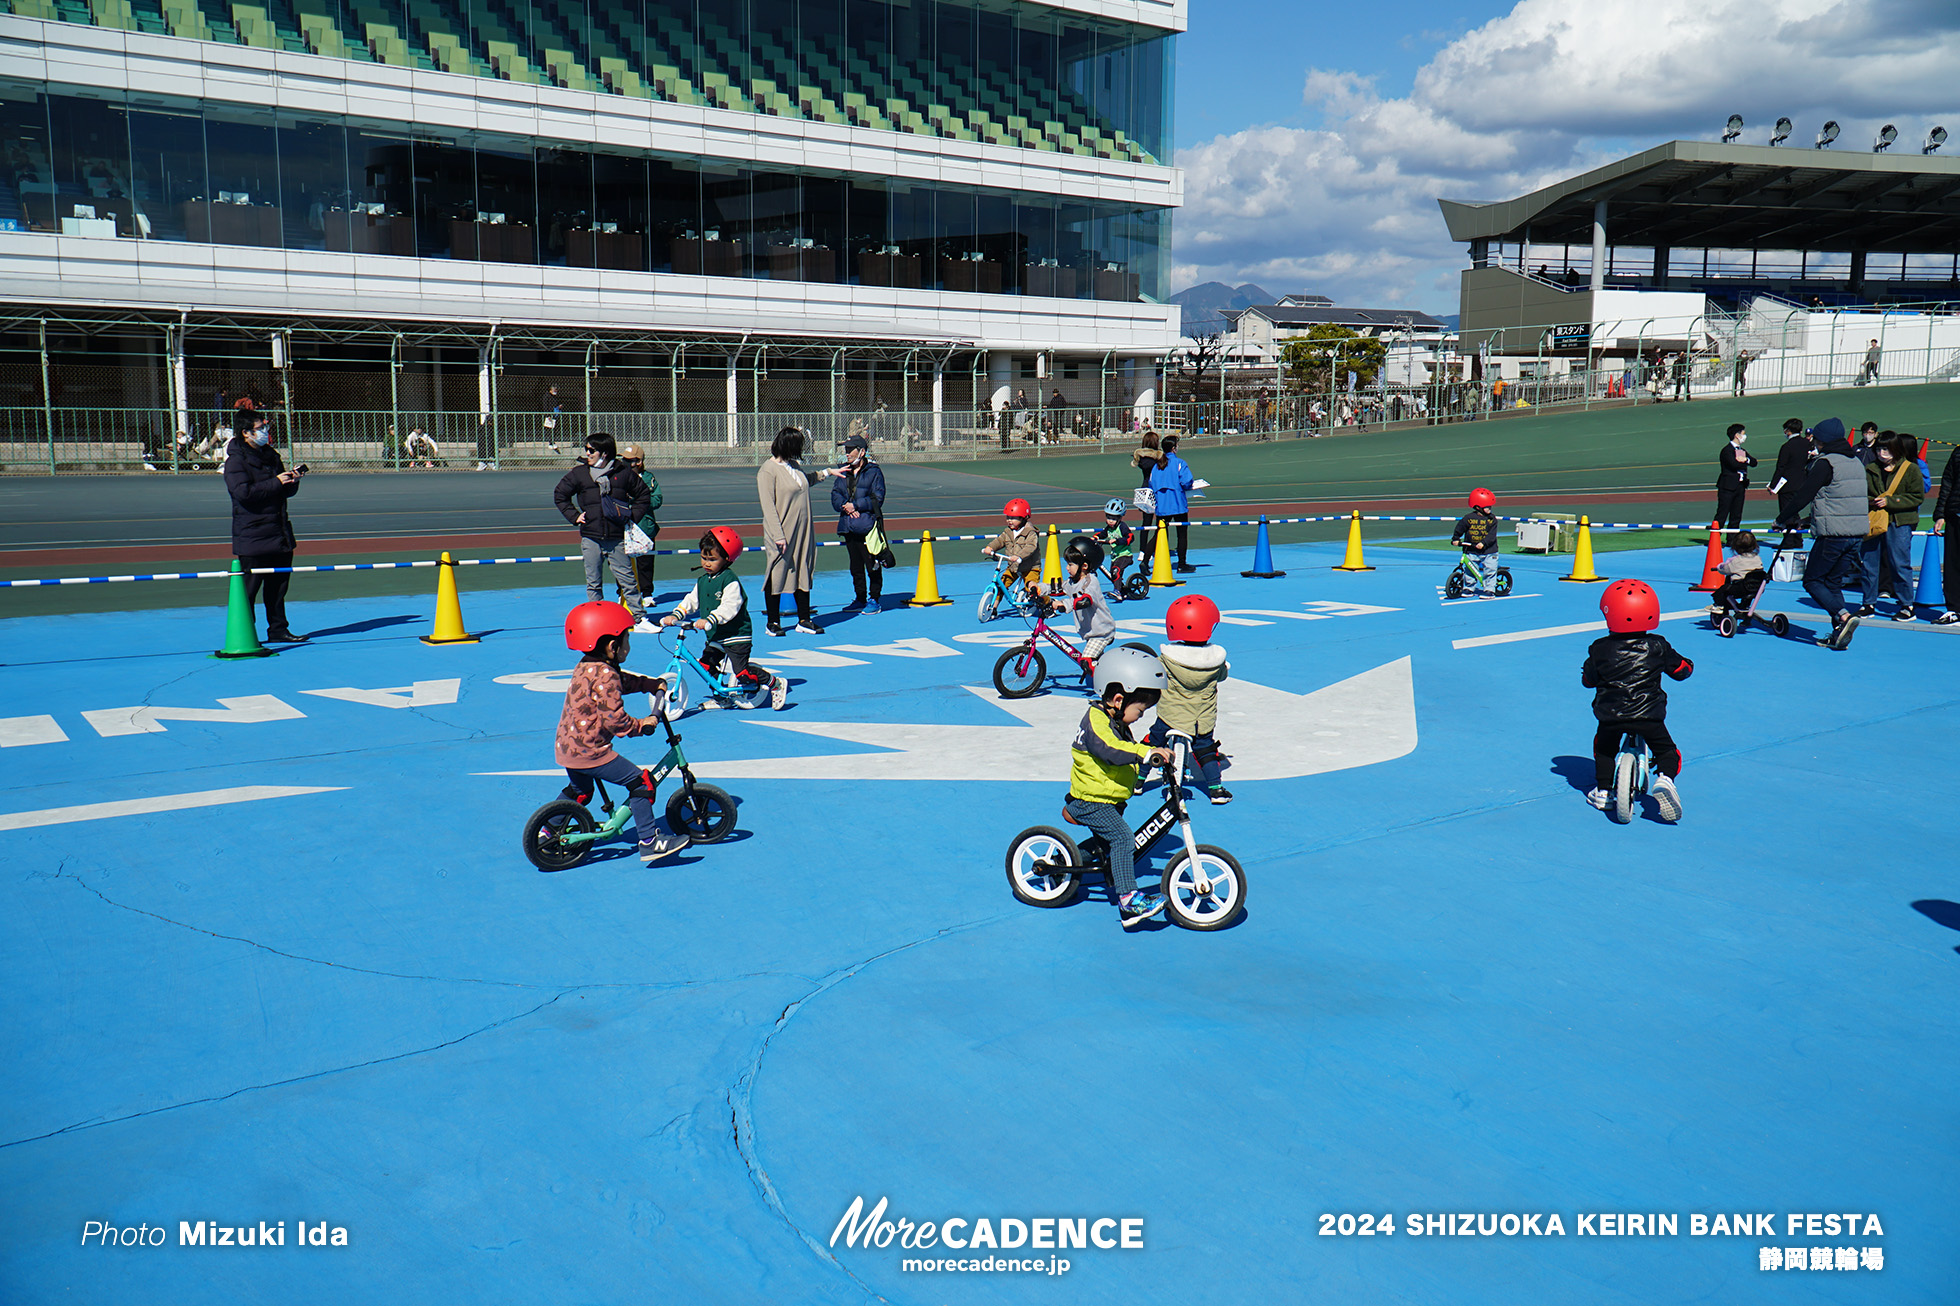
(588, 623)
(1017, 508)
(726, 540)
(1630, 606)
(1482, 498)
(1191, 619)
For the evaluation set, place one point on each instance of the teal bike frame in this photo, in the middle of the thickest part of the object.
(618, 814)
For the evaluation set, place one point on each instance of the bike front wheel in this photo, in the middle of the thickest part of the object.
(545, 830)
(1453, 587)
(1624, 768)
(677, 693)
(1137, 586)
(1019, 672)
(989, 602)
(703, 813)
(1044, 867)
(1205, 893)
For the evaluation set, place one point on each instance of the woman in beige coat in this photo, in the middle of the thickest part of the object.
(789, 542)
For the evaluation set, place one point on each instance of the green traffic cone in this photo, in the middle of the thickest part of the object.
(241, 633)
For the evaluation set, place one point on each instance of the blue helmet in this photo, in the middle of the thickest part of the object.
(1116, 508)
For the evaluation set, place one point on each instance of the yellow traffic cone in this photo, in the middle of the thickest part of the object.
(1582, 560)
(449, 608)
(1051, 562)
(1353, 560)
(1160, 571)
(927, 595)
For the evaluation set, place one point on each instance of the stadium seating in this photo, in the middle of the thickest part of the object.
(556, 43)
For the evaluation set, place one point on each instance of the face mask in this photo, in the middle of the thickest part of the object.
(261, 438)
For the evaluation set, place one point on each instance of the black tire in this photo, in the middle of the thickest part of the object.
(1726, 627)
(1453, 587)
(1503, 581)
(989, 606)
(1136, 587)
(704, 814)
(1059, 881)
(1019, 672)
(1779, 624)
(543, 828)
(1624, 767)
(1219, 904)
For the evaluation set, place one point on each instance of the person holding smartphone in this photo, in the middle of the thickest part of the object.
(261, 529)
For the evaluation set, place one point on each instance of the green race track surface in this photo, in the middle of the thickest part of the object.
(1652, 447)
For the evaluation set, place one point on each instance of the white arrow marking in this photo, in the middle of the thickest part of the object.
(903, 648)
(163, 803)
(423, 693)
(249, 710)
(1547, 632)
(1269, 734)
(542, 682)
(805, 657)
(18, 731)
(1007, 638)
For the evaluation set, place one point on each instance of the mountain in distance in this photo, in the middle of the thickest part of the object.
(1201, 304)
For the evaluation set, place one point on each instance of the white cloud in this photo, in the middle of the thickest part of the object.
(1548, 89)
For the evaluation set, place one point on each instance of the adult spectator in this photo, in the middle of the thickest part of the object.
(1791, 460)
(788, 539)
(261, 531)
(858, 497)
(1946, 512)
(1868, 374)
(1171, 484)
(1149, 456)
(1732, 482)
(422, 449)
(1896, 489)
(635, 459)
(1833, 488)
(1866, 450)
(599, 496)
(1682, 390)
(554, 414)
(1742, 360)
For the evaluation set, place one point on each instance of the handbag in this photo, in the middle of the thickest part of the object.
(638, 543)
(1879, 520)
(878, 545)
(1145, 499)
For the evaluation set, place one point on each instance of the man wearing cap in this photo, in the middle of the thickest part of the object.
(1833, 487)
(636, 461)
(858, 495)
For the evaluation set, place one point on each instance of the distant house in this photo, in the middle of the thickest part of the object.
(1254, 336)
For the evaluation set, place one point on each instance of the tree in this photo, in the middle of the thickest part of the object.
(1308, 358)
(1201, 354)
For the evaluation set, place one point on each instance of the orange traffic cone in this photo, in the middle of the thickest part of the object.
(1711, 573)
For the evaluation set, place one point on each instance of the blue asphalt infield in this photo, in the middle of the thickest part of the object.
(1457, 989)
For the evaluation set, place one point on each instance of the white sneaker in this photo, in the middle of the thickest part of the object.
(1665, 797)
(481, 467)
(645, 627)
(778, 693)
(1599, 798)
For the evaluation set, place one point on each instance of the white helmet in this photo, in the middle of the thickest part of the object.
(1130, 668)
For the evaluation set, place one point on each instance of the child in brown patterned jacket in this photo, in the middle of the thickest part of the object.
(595, 713)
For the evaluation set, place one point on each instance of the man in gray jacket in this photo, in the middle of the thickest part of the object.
(1834, 489)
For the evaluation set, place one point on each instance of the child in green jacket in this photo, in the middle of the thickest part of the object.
(1194, 668)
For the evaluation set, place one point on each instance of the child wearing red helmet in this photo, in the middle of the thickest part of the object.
(1194, 667)
(595, 712)
(1476, 534)
(1624, 669)
(1021, 541)
(721, 608)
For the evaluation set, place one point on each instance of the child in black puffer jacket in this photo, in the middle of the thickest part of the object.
(1624, 670)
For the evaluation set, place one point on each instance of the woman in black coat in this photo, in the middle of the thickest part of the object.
(261, 531)
(858, 495)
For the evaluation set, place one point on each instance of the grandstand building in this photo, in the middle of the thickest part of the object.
(692, 217)
(1797, 258)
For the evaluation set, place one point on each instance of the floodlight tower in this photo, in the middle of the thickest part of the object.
(1934, 139)
(1827, 135)
(1782, 133)
(1886, 135)
(1733, 130)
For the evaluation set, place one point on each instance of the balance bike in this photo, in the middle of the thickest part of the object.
(1203, 886)
(1465, 580)
(562, 833)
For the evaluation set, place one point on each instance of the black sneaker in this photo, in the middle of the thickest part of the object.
(1220, 795)
(1905, 614)
(1842, 631)
(776, 628)
(1865, 610)
(662, 846)
(1947, 619)
(808, 626)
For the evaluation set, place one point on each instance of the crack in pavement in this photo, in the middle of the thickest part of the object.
(740, 1094)
(561, 988)
(281, 1083)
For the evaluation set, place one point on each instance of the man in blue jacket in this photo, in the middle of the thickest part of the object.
(1171, 483)
(1834, 489)
(261, 531)
(858, 495)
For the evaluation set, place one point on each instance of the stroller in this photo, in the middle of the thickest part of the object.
(1741, 595)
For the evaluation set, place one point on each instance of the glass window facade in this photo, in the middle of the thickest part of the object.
(215, 174)
(983, 70)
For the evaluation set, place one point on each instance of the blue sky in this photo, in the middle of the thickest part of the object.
(1316, 139)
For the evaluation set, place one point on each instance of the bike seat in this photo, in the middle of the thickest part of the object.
(1066, 817)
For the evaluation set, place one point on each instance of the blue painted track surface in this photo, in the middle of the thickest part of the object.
(1457, 988)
